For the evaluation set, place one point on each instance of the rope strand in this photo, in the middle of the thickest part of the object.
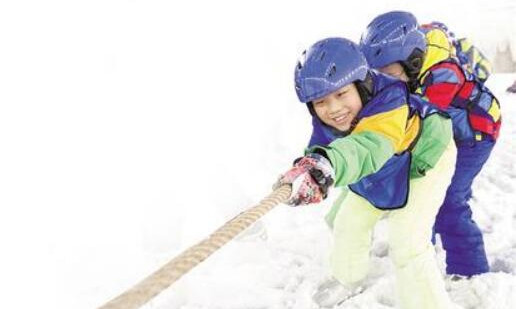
(161, 279)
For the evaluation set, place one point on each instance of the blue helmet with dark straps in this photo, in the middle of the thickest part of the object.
(327, 66)
(392, 37)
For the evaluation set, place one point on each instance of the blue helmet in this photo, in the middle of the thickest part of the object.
(327, 66)
(392, 37)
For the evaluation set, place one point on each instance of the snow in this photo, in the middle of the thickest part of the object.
(130, 130)
(280, 264)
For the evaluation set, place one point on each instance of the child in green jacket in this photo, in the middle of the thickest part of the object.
(394, 154)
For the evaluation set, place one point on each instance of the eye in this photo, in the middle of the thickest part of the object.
(341, 93)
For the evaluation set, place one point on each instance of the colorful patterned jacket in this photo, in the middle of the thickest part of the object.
(475, 111)
(472, 59)
(397, 136)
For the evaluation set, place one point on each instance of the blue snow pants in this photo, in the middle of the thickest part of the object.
(461, 237)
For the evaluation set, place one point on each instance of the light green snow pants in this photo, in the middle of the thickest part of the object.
(420, 284)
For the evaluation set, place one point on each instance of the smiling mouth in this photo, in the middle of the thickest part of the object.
(340, 119)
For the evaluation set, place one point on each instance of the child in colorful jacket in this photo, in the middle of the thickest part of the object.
(392, 150)
(394, 43)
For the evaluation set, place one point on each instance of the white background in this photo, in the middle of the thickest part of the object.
(131, 129)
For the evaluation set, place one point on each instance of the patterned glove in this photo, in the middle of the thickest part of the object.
(310, 177)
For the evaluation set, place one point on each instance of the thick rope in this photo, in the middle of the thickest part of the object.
(161, 279)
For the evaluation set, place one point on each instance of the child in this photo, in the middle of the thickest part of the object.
(395, 45)
(394, 153)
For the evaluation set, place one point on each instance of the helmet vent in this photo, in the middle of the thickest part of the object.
(321, 57)
(332, 70)
(378, 52)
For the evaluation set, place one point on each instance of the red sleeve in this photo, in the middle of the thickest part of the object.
(443, 84)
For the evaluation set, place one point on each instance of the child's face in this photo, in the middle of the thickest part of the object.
(395, 70)
(339, 108)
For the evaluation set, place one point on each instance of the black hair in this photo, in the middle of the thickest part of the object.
(412, 67)
(365, 88)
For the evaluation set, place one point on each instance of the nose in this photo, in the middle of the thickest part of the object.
(333, 105)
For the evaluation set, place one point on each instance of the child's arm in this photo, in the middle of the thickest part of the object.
(444, 85)
(374, 140)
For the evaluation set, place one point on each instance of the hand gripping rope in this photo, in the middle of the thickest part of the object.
(161, 279)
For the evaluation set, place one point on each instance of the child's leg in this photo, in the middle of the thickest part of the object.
(352, 231)
(330, 216)
(460, 235)
(420, 283)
